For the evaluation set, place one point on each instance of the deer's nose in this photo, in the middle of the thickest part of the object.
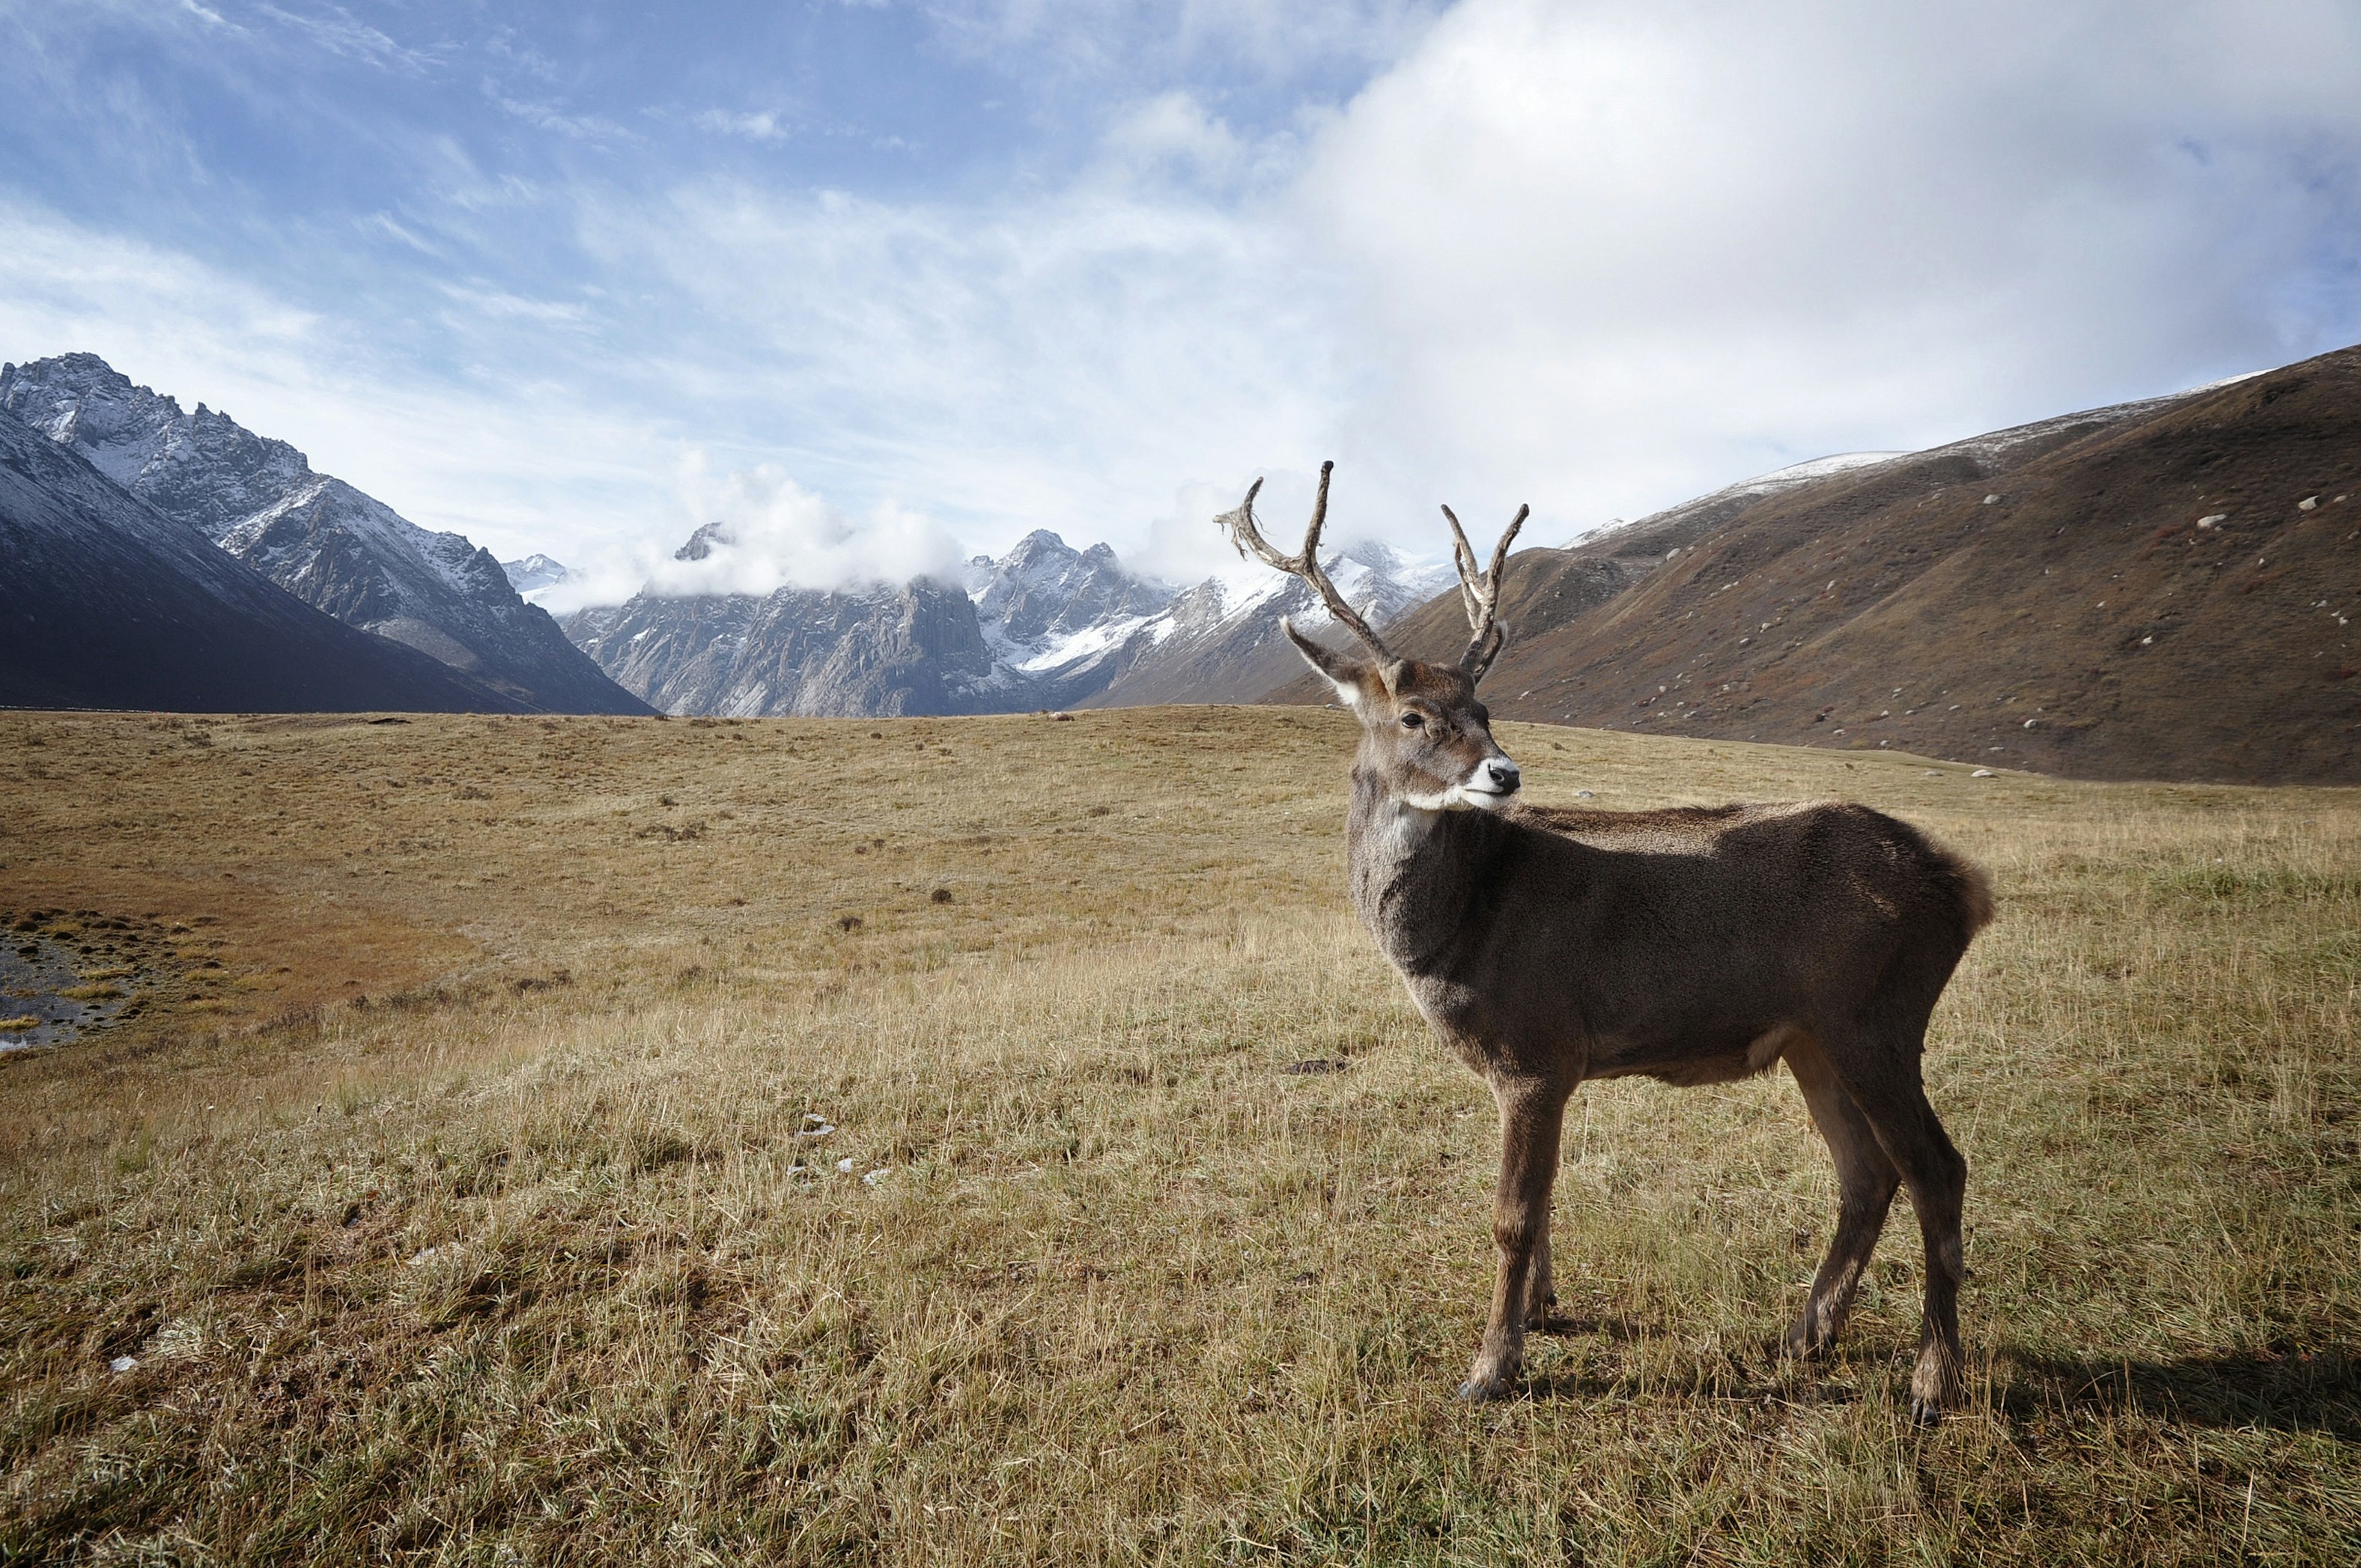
(1503, 775)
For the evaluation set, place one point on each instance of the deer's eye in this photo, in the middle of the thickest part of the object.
(1413, 721)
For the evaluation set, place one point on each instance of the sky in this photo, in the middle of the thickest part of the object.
(884, 284)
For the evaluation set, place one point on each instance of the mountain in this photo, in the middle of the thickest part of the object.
(1218, 644)
(1044, 626)
(2160, 589)
(1045, 605)
(885, 650)
(1062, 623)
(1040, 628)
(107, 602)
(323, 541)
(532, 573)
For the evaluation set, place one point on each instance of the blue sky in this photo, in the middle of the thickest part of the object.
(887, 282)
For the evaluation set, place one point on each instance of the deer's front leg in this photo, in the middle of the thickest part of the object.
(1530, 1115)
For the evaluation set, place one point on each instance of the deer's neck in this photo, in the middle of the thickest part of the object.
(1419, 876)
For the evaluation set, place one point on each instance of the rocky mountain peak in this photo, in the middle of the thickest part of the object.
(534, 572)
(1044, 593)
(703, 542)
(203, 468)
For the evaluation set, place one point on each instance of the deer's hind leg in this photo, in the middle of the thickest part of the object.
(1866, 1180)
(1886, 1088)
(1532, 1114)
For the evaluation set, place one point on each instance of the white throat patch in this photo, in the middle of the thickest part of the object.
(1458, 797)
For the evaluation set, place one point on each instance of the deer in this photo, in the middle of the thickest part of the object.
(1547, 947)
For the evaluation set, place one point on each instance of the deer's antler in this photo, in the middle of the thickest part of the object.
(1480, 594)
(1304, 564)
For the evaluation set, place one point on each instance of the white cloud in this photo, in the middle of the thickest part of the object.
(1598, 258)
(512, 459)
(549, 117)
(1613, 255)
(1058, 362)
(768, 532)
(337, 31)
(754, 125)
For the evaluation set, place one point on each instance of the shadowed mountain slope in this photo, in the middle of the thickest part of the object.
(106, 602)
(2161, 589)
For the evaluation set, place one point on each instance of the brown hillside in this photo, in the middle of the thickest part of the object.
(2051, 598)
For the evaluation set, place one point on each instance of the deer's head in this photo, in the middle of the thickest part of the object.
(1423, 731)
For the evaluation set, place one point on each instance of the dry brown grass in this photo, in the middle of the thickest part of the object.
(449, 1198)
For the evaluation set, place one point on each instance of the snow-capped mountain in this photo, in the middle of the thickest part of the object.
(878, 652)
(107, 602)
(1066, 619)
(1044, 626)
(1037, 628)
(315, 536)
(532, 575)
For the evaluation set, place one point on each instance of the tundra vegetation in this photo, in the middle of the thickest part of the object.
(594, 1139)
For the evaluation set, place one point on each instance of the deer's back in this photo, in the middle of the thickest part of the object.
(1699, 929)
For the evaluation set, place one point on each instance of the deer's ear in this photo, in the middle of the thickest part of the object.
(1343, 672)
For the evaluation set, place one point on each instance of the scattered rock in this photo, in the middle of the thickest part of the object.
(845, 1166)
(1983, 773)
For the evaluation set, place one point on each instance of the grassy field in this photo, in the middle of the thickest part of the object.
(459, 1191)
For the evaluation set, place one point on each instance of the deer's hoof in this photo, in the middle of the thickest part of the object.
(1930, 1399)
(1487, 1390)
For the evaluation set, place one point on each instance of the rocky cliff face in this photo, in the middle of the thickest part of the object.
(330, 545)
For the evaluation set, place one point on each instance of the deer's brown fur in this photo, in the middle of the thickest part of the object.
(1695, 945)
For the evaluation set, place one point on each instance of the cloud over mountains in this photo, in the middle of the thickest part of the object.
(1055, 265)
